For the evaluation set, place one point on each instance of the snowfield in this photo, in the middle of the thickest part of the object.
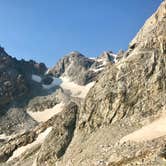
(75, 89)
(36, 78)
(40, 139)
(43, 116)
(4, 137)
(149, 132)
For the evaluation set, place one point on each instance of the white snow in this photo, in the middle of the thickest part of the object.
(8, 137)
(75, 89)
(4, 136)
(55, 82)
(97, 70)
(48, 70)
(99, 59)
(43, 116)
(93, 58)
(105, 60)
(36, 78)
(115, 56)
(40, 139)
(149, 132)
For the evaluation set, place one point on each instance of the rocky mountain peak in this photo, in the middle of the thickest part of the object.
(108, 56)
(80, 68)
(16, 86)
(152, 34)
(74, 66)
(75, 54)
(2, 51)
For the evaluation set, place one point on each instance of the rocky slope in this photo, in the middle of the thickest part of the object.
(121, 121)
(129, 95)
(33, 95)
(33, 145)
(15, 75)
(15, 87)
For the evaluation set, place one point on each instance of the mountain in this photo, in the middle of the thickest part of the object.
(32, 96)
(15, 87)
(103, 111)
(121, 120)
(79, 68)
(152, 34)
(15, 76)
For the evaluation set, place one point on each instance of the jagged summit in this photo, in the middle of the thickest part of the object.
(80, 68)
(75, 53)
(2, 51)
(153, 33)
(108, 56)
(16, 86)
(74, 65)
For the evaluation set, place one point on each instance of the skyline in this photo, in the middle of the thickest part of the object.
(46, 31)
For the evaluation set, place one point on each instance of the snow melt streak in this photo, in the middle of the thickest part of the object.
(40, 139)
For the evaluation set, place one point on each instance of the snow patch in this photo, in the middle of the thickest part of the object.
(7, 137)
(43, 116)
(149, 132)
(47, 72)
(97, 70)
(36, 78)
(93, 58)
(40, 139)
(4, 137)
(115, 57)
(55, 82)
(75, 89)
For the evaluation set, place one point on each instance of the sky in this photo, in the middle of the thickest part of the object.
(46, 30)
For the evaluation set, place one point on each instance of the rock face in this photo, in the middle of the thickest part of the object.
(74, 65)
(21, 140)
(107, 56)
(12, 82)
(15, 86)
(129, 95)
(60, 137)
(53, 147)
(152, 34)
(15, 76)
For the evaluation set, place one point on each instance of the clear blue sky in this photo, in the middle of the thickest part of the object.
(45, 30)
